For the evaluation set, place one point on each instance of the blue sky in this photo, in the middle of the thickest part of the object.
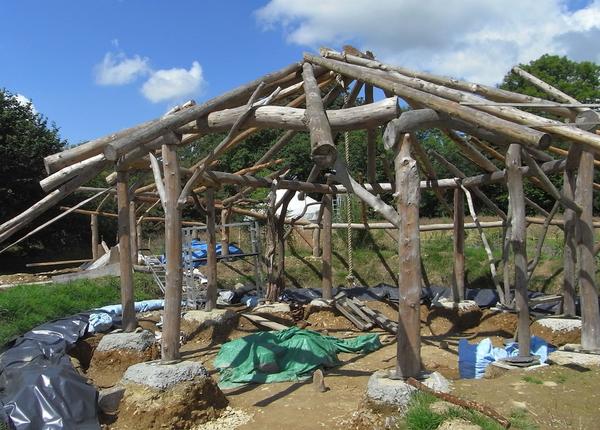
(94, 67)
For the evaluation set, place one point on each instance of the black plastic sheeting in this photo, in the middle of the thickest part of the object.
(485, 298)
(39, 388)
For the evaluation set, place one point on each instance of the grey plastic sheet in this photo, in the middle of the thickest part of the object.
(39, 388)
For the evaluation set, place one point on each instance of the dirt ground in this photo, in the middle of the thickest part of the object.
(558, 397)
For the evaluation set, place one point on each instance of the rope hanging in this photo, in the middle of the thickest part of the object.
(350, 276)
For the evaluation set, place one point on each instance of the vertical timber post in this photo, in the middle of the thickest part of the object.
(211, 251)
(224, 232)
(408, 358)
(590, 313)
(519, 241)
(371, 142)
(133, 230)
(138, 235)
(316, 242)
(458, 286)
(95, 236)
(129, 322)
(173, 247)
(570, 248)
(326, 271)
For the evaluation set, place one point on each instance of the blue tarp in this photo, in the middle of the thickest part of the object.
(473, 359)
(200, 251)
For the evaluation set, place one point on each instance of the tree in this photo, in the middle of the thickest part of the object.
(25, 139)
(578, 79)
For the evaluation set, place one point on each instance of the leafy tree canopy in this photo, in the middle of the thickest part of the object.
(25, 139)
(578, 79)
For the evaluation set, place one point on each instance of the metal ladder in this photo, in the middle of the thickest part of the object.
(158, 270)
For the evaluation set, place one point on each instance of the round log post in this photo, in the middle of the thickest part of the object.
(408, 358)
(323, 151)
(458, 286)
(519, 242)
(225, 232)
(570, 248)
(316, 242)
(95, 236)
(129, 322)
(590, 313)
(211, 251)
(173, 250)
(326, 272)
(133, 231)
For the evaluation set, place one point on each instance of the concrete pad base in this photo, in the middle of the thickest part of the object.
(569, 358)
(136, 341)
(208, 318)
(163, 376)
(383, 390)
(271, 308)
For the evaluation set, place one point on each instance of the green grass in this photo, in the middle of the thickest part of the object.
(26, 306)
(419, 416)
(532, 380)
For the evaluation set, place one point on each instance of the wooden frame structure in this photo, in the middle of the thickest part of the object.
(483, 121)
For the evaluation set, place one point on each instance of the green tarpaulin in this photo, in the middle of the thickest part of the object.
(286, 355)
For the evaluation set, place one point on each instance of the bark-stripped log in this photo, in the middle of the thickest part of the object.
(491, 93)
(510, 130)
(326, 270)
(211, 251)
(124, 144)
(173, 247)
(570, 249)
(126, 267)
(590, 312)
(519, 244)
(458, 286)
(289, 118)
(408, 356)
(323, 151)
(95, 236)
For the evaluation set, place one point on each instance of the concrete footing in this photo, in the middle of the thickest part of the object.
(392, 392)
(571, 358)
(208, 318)
(135, 341)
(163, 376)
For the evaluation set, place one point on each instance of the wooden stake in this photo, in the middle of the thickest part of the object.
(458, 286)
(326, 271)
(173, 248)
(408, 358)
(519, 243)
(590, 312)
(129, 321)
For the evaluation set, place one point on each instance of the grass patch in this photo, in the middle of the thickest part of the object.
(25, 306)
(419, 416)
(520, 420)
(561, 378)
(532, 380)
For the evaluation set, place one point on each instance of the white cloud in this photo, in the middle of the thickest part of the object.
(118, 69)
(172, 84)
(24, 101)
(475, 39)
